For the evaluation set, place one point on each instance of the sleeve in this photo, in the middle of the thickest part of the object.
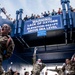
(34, 56)
(43, 66)
(34, 59)
(63, 68)
(11, 46)
(10, 49)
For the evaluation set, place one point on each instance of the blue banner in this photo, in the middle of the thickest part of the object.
(45, 23)
(41, 33)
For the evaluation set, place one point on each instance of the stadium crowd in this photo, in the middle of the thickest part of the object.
(45, 14)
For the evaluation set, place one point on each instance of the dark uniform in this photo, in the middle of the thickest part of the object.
(6, 45)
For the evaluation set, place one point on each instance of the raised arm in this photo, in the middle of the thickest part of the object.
(34, 56)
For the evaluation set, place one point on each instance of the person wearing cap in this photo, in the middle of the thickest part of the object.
(37, 65)
(6, 44)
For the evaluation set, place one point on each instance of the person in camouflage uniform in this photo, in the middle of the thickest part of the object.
(73, 64)
(6, 44)
(68, 68)
(37, 65)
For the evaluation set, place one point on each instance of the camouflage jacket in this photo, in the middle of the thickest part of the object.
(37, 68)
(9, 49)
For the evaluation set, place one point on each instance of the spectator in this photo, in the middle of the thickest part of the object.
(59, 11)
(45, 14)
(26, 18)
(48, 13)
(38, 16)
(53, 12)
(35, 16)
(32, 16)
(42, 15)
